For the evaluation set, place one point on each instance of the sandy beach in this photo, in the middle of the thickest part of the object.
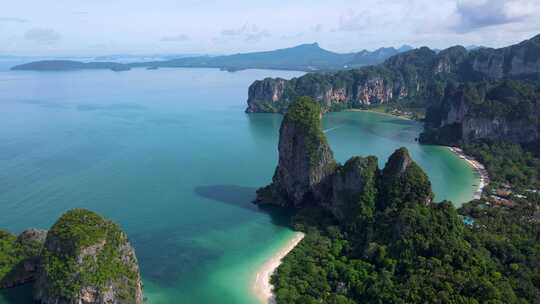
(382, 113)
(477, 166)
(261, 286)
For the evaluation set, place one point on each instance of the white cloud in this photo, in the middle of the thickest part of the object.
(476, 14)
(229, 26)
(43, 36)
(248, 33)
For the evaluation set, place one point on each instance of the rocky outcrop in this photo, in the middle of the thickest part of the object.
(403, 182)
(331, 91)
(20, 257)
(305, 159)
(506, 110)
(265, 95)
(354, 188)
(417, 75)
(308, 176)
(87, 259)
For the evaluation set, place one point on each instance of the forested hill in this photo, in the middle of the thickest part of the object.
(305, 57)
(413, 77)
(375, 235)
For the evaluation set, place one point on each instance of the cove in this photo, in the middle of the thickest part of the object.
(170, 155)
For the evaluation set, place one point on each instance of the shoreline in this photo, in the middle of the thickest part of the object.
(382, 113)
(477, 167)
(261, 285)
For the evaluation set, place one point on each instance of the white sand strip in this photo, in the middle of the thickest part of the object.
(477, 166)
(262, 286)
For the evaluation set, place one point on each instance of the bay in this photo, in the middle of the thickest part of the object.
(171, 156)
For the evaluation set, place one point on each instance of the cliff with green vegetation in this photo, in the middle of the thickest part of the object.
(307, 174)
(469, 112)
(20, 257)
(83, 258)
(87, 259)
(416, 78)
(305, 158)
(377, 237)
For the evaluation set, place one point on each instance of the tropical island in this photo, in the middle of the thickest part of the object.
(83, 258)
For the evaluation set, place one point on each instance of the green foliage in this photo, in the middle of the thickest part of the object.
(83, 249)
(403, 181)
(13, 253)
(360, 204)
(9, 253)
(417, 254)
(507, 163)
(413, 252)
(305, 114)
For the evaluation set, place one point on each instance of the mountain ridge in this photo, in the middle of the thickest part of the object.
(303, 57)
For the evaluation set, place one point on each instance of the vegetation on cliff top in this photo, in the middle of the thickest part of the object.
(501, 101)
(83, 249)
(305, 115)
(13, 252)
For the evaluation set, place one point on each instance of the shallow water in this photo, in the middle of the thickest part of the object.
(171, 156)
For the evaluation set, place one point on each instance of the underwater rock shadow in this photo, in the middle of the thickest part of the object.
(243, 197)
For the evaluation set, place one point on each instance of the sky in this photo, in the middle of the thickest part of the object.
(102, 27)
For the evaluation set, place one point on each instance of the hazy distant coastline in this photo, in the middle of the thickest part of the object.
(305, 57)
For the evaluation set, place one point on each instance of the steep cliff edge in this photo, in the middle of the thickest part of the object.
(308, 176)
(20, 257)
(508, 110)
(305, 159)
(418, 76)
(87, 259)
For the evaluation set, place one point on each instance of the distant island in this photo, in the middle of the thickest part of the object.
(305, 57)
(83, 258)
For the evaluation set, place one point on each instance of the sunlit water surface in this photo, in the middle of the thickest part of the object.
(171, 156)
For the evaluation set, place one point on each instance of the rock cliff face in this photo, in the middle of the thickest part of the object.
(506, 110)
(308, 176)
(305, 159)
(20, 257)
(87, 259)
(418, 75)
(331, 91)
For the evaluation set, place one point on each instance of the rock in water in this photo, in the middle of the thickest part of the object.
(87, 259)
(305, 159)
(403, 181)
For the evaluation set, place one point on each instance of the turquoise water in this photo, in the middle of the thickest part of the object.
(171, 156)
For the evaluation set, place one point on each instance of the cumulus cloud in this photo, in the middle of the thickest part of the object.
(476, 14)
(248, 33)
(13, 19)
(43, 36)
(175, 38)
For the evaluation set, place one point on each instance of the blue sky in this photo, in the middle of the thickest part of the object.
(99, 27)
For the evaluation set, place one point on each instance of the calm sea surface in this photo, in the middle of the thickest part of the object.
(171, 156)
